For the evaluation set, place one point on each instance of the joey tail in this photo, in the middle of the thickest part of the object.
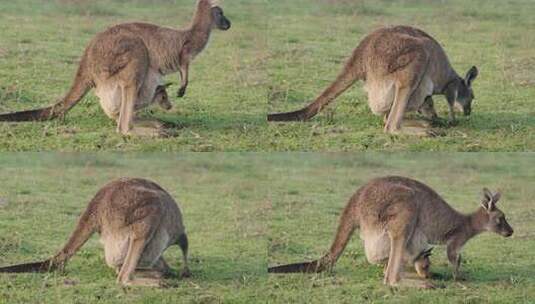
(84, 229)
(345, 229)
(344, 80)
(82, 84)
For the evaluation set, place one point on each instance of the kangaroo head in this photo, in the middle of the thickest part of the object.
(422, 263)
(496, 218)
(162, 98)
(219, 20)
(210, 13)
(465, 94)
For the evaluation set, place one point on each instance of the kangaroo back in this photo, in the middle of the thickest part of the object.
(82, 84)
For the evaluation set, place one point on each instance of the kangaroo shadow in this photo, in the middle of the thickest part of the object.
(220, 269)
(211, 123)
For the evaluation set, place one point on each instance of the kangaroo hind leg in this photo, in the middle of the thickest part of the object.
(408, 80)
(401, 228)
(141, 233)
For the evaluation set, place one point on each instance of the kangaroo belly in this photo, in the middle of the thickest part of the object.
(115, 248)
(381, 94)
(425, 89)
(376, 246)
(110, 94)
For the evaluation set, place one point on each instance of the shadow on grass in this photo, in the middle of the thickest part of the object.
(209, 122)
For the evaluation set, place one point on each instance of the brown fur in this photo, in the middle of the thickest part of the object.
(125, 64)
(402, 67)
(398, 219)
(137, 221)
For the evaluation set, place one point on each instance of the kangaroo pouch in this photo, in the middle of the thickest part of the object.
(377, 246)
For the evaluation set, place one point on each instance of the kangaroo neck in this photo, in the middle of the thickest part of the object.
(470, 226)
(452, 78)
(199, 32)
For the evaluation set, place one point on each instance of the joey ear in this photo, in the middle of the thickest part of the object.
(471, 75)
(428, 252)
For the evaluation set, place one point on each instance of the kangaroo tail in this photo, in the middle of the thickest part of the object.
(82, 84)
(344, 80)
(345, 229)
(43, 266)
(84, 229)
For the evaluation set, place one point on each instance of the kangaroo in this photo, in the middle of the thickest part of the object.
(137, 221)
(403, 67)
(126, 63)
(399, 218)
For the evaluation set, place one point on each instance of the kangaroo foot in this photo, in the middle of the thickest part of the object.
(145, 282)
(416, 131)
(148, 132)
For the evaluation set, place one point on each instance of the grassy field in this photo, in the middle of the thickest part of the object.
(225, 211)
(308, 192)
(310, 39)
(40, 45)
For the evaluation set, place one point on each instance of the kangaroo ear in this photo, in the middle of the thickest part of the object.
(471, 75)
(496, 197)
(488, 198)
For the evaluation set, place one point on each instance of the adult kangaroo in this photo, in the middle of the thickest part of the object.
(402, 67)
(137, 221)
(126, 63)
(399, 218)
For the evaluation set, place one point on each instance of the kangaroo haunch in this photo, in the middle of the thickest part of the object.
(126, 63)
(399, 218)
(137, 221)
(402, 67)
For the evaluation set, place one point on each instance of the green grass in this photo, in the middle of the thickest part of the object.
(310, 40)
(42, 41)
(308, 192)
(225, 210)
(278, 56)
